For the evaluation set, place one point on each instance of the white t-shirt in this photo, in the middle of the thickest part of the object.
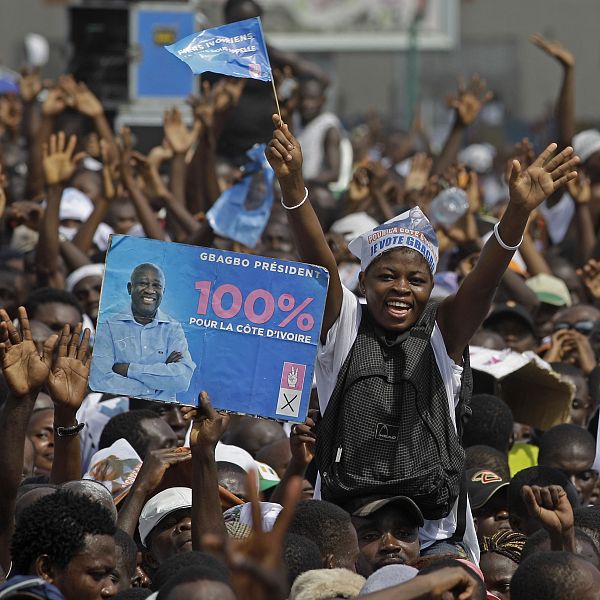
(331, 357)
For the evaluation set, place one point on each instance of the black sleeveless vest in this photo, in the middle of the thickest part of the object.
(387, 429)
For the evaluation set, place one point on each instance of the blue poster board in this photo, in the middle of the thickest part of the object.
(159, 73)
(176, 320)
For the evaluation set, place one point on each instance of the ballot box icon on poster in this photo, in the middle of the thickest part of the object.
(290, 392)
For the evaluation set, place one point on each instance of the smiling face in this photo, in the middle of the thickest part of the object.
(387, 537)
(397, 286)
(146, 289)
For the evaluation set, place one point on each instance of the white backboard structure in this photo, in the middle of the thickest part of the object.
(351, 25)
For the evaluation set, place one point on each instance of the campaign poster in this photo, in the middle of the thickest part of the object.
(176, 320)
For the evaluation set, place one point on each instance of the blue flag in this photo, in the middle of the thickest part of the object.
(237, 49)
(242, 211)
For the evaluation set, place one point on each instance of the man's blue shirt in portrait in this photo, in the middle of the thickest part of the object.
(145, 348)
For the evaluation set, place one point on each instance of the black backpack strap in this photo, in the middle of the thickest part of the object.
(463, 409)
(461, 512)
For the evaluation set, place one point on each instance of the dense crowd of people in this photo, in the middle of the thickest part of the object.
(410, 478)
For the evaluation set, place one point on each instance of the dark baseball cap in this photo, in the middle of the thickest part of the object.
(482, 484)
(510, 309)
(365, 507)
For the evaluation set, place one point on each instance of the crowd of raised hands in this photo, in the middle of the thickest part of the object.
(56, 137)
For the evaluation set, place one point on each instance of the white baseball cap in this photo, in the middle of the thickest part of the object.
(586, 143)
(161, 506)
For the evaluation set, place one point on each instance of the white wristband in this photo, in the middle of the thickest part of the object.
(297, 205)
(501, 242)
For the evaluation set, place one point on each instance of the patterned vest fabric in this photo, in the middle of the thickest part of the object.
(387, 429)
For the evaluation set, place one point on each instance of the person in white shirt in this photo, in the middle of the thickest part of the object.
(398, 260)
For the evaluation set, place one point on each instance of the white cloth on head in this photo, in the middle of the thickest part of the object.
(586, 143)
(411, 230)
(74, 206)
(243, 513)
(387, 577)
(353, 225)
(330, 358)
(479, 157)
(93, 270)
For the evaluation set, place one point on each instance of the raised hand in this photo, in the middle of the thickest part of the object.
(554, 49)
(530, 187)
(159, 154)
(256, 561)
(30, 85)
(86, 101)
(560, 346)
(55, 102)
(417, 177)
(155, 186)
(58, 160)
(580, 189)
(470, 100)
(177, 134)
(229, 92)
(68, 379)
(125, 152)
(155, 465)
(303, 442)
(551, 507)
(209, 425)
(25, 212)
(25, 371)
(523, 152)
(590, 275)
(284, 153)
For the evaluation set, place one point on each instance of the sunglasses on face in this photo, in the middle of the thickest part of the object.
(583, 327)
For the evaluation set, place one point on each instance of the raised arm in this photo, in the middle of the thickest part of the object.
(25, 372)
(467, 105)
(89, 105)
(84, 238)
(30, 85)
(459, 316)
(59, 166)
(580, 190)
(67, 385)
(144, 211)
(285, 156)
(154, 467)
(207, 516)
(180, 140)
(551, 507)
(565, 106)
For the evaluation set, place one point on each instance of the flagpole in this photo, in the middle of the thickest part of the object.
(276, 99)
(270, 69)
